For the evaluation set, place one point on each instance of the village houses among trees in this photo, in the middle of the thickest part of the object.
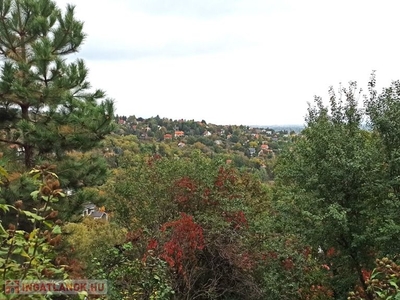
(185, 209)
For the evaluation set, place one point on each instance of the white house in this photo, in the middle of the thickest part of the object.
(91, 210)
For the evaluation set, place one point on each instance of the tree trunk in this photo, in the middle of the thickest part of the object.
(28, 152)
(28, 149)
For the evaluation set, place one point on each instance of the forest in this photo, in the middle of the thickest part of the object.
(165, 209)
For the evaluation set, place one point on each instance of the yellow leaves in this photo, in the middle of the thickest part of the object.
(3, 172)
(78, 155)
(90, 236)
(118, 172)
(33, 234)
(24, 254)
(14, 176)
(42, 171)
(65, 130)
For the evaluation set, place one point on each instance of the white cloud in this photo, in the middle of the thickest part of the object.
(243, 62)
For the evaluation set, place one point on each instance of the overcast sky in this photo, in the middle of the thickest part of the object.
(253, 62)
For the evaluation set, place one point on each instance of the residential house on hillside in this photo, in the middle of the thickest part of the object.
(88, 209)
(179, 133)
(252, 151)
(91, 210)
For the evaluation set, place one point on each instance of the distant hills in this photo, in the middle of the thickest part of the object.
(290, 127)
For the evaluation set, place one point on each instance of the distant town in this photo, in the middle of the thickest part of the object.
(250, 147)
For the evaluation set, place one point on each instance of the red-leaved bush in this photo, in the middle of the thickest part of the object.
(186, 238)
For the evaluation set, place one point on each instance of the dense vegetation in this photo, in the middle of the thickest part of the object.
(186, 209)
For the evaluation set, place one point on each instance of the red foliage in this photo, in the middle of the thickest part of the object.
(288, 264)
(225, 176)
(318, 292)
(134, 236)
(152, 159)
(208, 199)
(72, 266)
(66, 258)
(152, 245)
(206, 196)
(272, 254)
(331, 252)
(247, 261)
(186, 183)
(366, 274)
(238, 219)
(186, 239)
(182, 199)
(307, 252)
(184, 189)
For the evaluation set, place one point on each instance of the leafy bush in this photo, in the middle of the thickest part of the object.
(30, 253)
(382, 283)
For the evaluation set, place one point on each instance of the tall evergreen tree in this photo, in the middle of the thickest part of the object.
(46, 104)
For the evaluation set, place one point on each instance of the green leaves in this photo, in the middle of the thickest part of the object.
(56, 230)
(332, 178)
(127, 275)
(198, 215)
(34, 195)
(3, 172)
(29, 254)
(32, 216)
(383, 282)
(35, 37)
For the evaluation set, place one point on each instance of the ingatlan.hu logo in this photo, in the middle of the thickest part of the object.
(31, 287)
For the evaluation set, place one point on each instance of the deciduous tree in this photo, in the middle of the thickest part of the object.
(331, 189)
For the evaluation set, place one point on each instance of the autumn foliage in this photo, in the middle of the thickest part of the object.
(203, 231)
(185, 240)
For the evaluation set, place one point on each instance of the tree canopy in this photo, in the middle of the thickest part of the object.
(46, 103)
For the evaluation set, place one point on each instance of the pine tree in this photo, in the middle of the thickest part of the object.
(47, 105)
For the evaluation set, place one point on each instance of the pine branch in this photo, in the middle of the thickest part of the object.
(10, 45)
(12, 100)
(12, 142)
